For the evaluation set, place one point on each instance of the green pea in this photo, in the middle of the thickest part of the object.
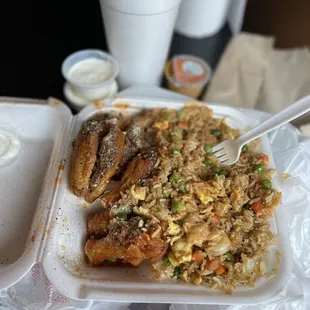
(182, 186)
(223, 172)
(216, 170)
(123, 216)
(259, 168)
(228, 257)
(266, 184)
(176, 152)
(207, 161)
(112, 261)
(180, 114)
(167, 261)
(176, 206)
(245, 149)
(207, 149)
(166, 116)
(174, 177)
(177, 272)
(166, 195)
(216, 132)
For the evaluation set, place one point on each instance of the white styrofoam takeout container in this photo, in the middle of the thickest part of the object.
(42, 221)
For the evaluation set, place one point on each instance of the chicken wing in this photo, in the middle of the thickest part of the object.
(109, 157)
(135, 141)
(98, 224)
(83, 156)
(139, 168)
(126, 241)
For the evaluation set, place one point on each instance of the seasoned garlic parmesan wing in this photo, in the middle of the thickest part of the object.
(98, 224)
(126, 242)
(139, 168)
(83, 156)
(109, 157)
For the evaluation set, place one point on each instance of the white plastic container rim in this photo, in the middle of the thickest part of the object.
(83, 55)
(141, 7)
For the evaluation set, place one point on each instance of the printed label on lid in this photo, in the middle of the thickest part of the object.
(192, 68)
(188, 71)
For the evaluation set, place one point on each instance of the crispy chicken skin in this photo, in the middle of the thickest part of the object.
(126, 242)
(139, 168)
(109, 157)
(98, 224)
(135, 141)
(83, 156)
(145, 118)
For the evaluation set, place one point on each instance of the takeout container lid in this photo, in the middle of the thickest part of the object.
(48, 226)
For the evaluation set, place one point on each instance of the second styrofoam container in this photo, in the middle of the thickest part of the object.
(139, 34)
(201, 18)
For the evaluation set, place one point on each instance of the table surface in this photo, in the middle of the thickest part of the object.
(40, 34)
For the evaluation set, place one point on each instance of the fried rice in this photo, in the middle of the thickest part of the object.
(217, 217)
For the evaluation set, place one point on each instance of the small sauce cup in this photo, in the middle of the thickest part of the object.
(86, 91)
(187, 75)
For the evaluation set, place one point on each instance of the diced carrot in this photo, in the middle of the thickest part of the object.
(265, 159)
(155, 178)
(257, 206)
(220, 270)
(216, 219)
(183, 125)
(212, 264)
(198, 257)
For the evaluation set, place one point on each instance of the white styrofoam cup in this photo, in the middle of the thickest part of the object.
(201, 18)
(138, 34)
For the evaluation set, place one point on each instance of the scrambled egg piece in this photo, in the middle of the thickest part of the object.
(182, 251)
(163, 215)
(221, 207)
(197, 232)
(208, 191)
(138, 193)
(161, 125)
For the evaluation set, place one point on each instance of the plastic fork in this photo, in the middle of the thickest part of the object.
(228, 151)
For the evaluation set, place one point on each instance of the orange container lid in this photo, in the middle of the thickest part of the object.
(190, 70)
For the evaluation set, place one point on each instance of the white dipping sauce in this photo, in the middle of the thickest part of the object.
(91, 71)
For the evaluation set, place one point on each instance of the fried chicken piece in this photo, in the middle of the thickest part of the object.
(135, 141)
(139, 168)
(145, 118)
(126, 241)
(109, 157)
(115, 119)
(98, 224)
(83, 156)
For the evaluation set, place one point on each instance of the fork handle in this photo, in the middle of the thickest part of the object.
(293, 111)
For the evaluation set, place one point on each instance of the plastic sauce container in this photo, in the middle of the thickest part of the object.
(90, 73)
(187, 75)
